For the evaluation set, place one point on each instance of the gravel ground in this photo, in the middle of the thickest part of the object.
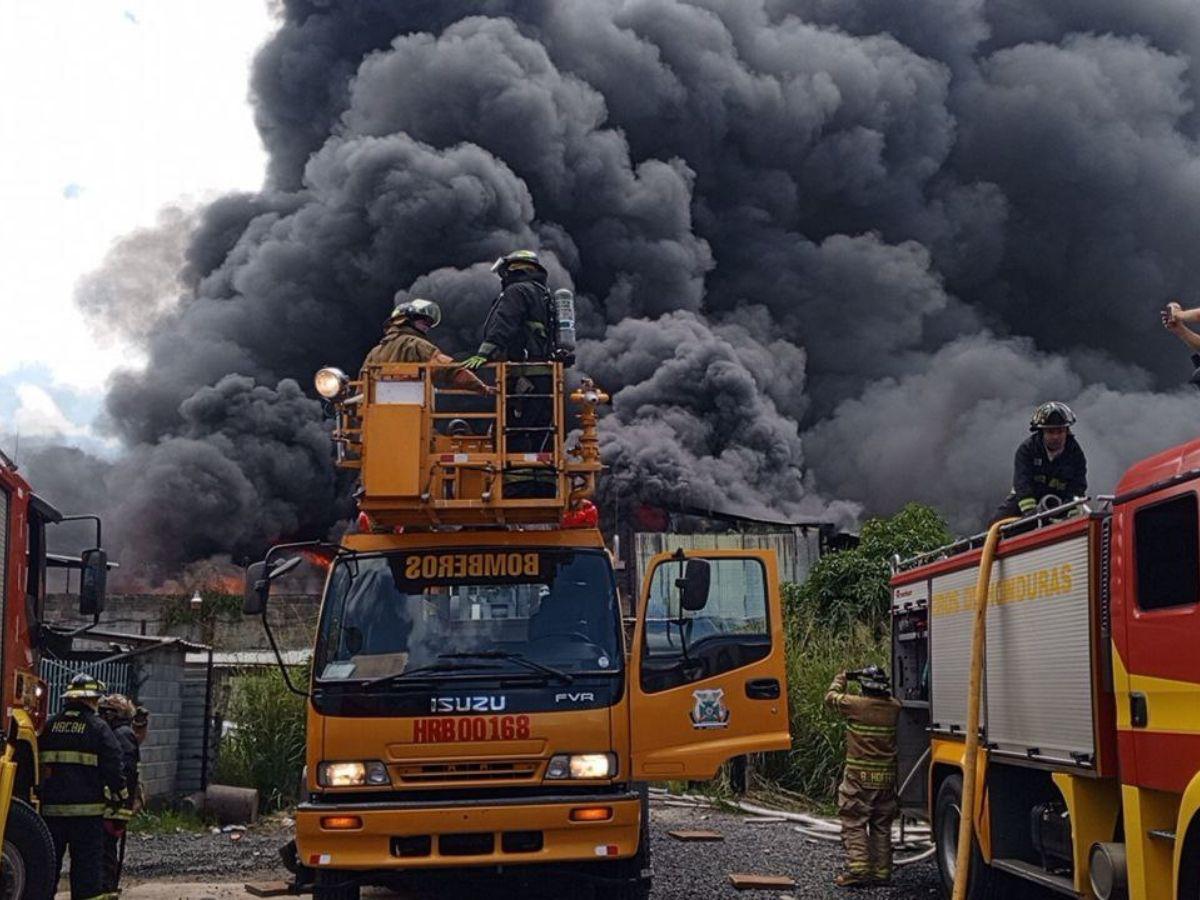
(199, 855)
(185, 865)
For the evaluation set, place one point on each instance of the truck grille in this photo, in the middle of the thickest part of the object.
(442, 773)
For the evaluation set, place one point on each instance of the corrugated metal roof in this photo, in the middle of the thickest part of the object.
(240, 658)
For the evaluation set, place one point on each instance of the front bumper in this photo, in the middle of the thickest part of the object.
(459, 834)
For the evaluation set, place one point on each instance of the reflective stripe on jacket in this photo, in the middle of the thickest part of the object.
(870, 733)
(80, 762)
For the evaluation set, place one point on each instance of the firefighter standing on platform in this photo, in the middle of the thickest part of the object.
(519, 328)
(1048, 463)
(406, 340)
(118, 712)
(867, 795)
(80, 760)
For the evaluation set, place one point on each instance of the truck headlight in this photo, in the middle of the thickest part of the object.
(330, 382)
(582, 765)
(372, 773)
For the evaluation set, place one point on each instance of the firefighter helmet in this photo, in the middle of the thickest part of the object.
(84, 687)
(874, 680)
(119, 705)
(417, 308)
(1054, 414)
(520, 258)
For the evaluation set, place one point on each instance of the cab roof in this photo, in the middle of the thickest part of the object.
(1169, 464)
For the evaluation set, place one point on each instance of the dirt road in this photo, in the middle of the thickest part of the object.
(193, 867)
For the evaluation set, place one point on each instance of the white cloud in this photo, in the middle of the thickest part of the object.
(39, 416)
(111, 111)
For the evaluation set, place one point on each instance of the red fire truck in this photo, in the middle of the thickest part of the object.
(27, 858)
(1088, 775)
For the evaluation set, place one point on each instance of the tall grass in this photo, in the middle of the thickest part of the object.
(265, 749)
(817, 651)
(838, 619)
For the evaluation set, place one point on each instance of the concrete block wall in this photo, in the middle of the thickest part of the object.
(159, 679)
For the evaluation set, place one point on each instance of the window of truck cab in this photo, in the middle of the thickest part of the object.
(1167, 553)
(385, 614)
(732, 630)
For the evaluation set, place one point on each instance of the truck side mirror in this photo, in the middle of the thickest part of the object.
(257, 589)
(93, 584)
(694, 585)
(258, 584)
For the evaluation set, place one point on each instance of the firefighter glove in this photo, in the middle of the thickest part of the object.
(474, 362)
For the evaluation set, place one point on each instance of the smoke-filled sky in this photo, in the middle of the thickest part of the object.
(829, 254)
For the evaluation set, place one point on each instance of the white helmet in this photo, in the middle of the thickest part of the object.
(417, 308)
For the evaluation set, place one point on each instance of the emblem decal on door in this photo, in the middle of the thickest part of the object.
(709, 709)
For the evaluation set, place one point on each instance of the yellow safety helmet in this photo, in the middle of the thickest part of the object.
(84, 687)
(517, 259)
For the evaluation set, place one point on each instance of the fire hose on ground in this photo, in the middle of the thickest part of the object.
(904, 838)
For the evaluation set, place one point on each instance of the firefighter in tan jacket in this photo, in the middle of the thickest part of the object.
(406, 339)
(867, 795)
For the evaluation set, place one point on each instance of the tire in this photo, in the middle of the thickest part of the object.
(633, 886)
(635, 874)
(335, 886)
(27, 871)
(946, 812)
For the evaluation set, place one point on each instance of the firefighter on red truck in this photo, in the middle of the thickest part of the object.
(867, 795)
(1049, 463)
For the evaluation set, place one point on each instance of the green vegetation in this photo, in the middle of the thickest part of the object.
(265, 749)
(167, 821)
(838, 619)
(216, 606)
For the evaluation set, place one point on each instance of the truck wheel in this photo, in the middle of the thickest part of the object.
(335, 886)
(27, 866)
(946, 813)
(633, 886)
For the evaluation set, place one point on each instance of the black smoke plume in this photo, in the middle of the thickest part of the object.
(828, 253)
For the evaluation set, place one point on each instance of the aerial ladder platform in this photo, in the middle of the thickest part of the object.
(431, 454)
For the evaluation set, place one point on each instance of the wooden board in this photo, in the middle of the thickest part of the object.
(745, 882)
(696, 834)
(274, 889)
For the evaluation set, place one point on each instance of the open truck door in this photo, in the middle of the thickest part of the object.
(709, 674)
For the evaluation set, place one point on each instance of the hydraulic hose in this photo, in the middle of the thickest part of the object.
(966, 816)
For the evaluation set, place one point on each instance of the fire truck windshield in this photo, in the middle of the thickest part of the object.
(387, 615)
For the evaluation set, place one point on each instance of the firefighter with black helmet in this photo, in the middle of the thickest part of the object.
(867, 795)
(406, 339)
(1049, 463)
(118, 712)
(80, 762)
(519, 324)
(520, 329)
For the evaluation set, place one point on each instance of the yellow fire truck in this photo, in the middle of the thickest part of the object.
(473, 699)
(1087, 779)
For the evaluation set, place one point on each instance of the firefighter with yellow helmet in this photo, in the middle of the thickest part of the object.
(80, 761)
